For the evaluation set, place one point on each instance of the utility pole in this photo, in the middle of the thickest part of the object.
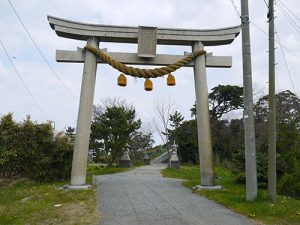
(272, 109)
(250, 148)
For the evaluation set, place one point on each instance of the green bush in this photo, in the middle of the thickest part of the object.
(228, 140)
(33, 150)
(290, 185)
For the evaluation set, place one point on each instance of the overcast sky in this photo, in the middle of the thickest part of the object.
(59, 99)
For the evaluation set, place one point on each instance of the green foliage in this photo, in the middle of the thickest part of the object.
(112, 125)
(175, 121)
(189, 173)
(32, 150)
(225, 98)
(290, 184)
(187, 141)
(284, 212)
(70, 133)
(138, 143)
(288, 141)
(95, 169)
(193, 111)
(228, 137)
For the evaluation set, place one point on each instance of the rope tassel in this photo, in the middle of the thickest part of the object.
(148, 85)
(171, 80)
(122, 80)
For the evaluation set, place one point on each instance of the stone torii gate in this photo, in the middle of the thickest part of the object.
(147, 39)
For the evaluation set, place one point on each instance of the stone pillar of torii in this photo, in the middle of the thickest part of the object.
(147, 38)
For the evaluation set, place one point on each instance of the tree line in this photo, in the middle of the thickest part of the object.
(228, 136)
(33, 150)
(36, 151)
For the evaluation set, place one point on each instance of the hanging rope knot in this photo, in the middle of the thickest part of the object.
(144, 73)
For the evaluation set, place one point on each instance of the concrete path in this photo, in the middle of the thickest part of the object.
(143, 197)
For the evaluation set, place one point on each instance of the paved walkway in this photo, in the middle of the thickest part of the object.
(143, 197)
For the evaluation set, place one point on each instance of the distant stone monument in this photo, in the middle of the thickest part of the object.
(125, 161)
(147, 39)
(146, 159)
(174, 159)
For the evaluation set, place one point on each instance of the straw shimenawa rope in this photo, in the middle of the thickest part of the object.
(144, 73)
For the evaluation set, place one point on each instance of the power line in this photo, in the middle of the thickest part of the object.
(22, 81)
(285, 62)
(235, 8)
(293, 23)
(259, 28)
(281, 47)
(288, 9)
(40, 52)
(289, 18)
(290, 51)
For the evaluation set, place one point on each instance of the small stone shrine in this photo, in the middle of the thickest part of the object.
(174, 159)
(146, 159)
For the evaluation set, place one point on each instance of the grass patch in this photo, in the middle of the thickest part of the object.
(102, 170)
(31, 203)
(42, 203)
(285, 212)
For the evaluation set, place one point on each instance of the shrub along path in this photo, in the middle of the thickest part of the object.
(143, 197)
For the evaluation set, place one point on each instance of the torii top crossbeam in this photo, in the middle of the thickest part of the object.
(126, 34)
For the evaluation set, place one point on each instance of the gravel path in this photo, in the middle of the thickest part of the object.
(143, 197)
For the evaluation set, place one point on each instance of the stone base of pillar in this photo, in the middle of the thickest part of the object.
(146, 161)
(175, 164)
(125, 164)
(76, 187)
(201, 187)
(125, 161)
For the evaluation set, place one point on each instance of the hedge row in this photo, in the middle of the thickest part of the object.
(33, 150)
